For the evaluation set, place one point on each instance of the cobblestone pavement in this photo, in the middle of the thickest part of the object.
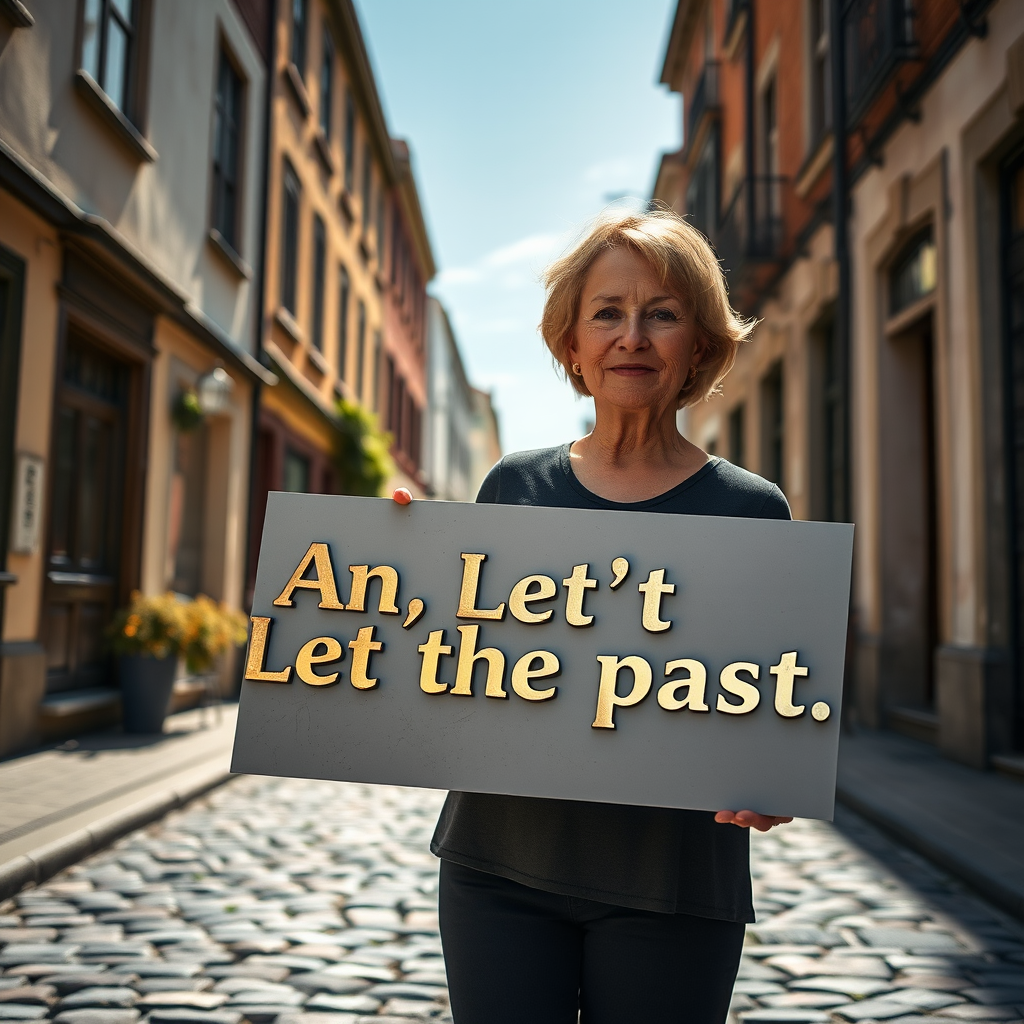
(315, 903)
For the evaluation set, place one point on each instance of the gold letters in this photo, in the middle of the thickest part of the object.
(785, 676)
(608, 699)
(361, 574)
(361, 649)
(306, 659)
(468, 656)
(577, 584)
(522, 673)
(254, 669)
(522, 596)
(470, 588)
(749, 694)
(324, 582)
(653, 590)
(695, 684)
(432, 651)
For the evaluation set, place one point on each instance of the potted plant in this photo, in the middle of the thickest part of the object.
(149, 636)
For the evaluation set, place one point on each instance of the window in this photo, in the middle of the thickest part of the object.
(395, 246)
(360, 347)
(109, 48)
(821, 71)
(289, 237)
(367, 185)
(319, 273)
(343, 297)
(769, 155)
(300, 21)
(296, 472)
(326, 84)
(828, 448)
(737, 429)
(378, 353)
(350, 142)
(772, 426)
(914, 274)
(227, 144)
(380, 227)
(702, 191)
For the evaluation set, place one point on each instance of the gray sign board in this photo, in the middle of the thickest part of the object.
(620, 657)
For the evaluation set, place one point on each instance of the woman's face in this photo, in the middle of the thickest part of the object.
(635, 342)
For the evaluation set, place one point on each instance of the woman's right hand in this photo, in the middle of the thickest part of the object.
(402, 495)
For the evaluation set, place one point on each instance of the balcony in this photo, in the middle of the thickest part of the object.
(879, 36)
(705, 101)
(751, 235)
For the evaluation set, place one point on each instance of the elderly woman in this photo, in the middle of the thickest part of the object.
(552, 908)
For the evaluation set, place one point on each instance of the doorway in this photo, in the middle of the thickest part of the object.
(87, 502)
(909, 535)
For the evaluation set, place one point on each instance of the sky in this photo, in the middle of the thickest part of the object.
(526, 119)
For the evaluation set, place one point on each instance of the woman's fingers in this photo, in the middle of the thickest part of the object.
(402, 495)
(750, 819)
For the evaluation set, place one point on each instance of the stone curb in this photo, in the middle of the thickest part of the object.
(45, 861)
(1006, 898)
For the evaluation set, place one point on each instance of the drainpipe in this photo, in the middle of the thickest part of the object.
(260, 282)
(750, 137)
(840, 207)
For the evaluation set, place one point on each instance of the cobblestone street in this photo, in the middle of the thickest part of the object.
(315, 903)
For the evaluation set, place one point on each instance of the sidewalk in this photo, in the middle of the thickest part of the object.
(969, 822)
(60, 804)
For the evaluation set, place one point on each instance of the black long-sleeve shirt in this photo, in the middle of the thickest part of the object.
(649, 858)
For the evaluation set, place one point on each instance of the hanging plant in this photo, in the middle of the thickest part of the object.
(186, 412)
(362, 457)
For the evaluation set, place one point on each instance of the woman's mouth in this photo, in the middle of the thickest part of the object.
(631, 369)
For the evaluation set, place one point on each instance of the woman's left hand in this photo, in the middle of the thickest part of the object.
(750, 819)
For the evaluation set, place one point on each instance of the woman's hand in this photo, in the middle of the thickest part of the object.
(402, 495)
(750, 819)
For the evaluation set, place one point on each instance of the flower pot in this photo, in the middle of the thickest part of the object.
(146, 685)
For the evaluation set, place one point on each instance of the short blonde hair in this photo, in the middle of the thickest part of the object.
(686, 264)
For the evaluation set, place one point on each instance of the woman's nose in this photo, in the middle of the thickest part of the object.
(633, 335)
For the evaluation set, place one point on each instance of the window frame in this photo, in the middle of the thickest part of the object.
(349, 142)
(298, 43)
(227, 58)
(344, 302)
(316, 320)
(289, 276)
(326, 107)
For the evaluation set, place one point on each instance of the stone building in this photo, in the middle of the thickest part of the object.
(131, 225)
(347, 261)
(883, 382)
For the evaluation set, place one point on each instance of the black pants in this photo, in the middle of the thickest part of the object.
(517, 955)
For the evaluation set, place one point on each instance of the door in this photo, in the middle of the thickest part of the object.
(86, 513)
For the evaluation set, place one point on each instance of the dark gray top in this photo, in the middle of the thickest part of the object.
(649, 858)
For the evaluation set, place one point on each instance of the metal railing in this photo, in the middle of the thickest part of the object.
(879, 35)
(752, 228)
(705, 99)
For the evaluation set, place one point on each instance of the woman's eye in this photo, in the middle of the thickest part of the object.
(608, 313)
(663, 314)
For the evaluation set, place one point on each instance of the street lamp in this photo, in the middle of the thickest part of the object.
(214, 391)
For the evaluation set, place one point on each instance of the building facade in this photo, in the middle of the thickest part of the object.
(460, 446)
(882, 381)
(347, 262)
(131, 153)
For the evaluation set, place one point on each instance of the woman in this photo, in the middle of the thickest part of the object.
(553, 908)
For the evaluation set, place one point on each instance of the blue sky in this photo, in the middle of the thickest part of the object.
(525, 119)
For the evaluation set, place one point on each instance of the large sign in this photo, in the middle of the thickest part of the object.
(622, 657)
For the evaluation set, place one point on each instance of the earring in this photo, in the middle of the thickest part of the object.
(576, 369)
(692, 376)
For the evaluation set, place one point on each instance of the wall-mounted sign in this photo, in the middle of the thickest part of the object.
(28, 504)
(623, 657)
